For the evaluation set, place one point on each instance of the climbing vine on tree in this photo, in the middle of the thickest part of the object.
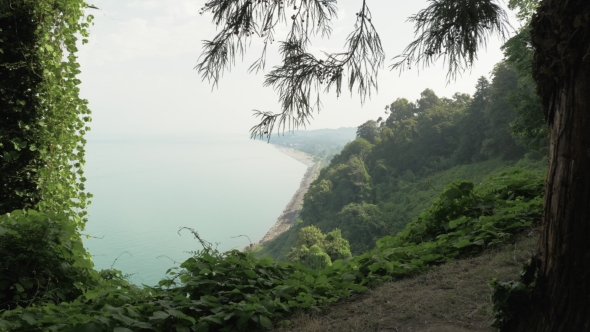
(42, 118)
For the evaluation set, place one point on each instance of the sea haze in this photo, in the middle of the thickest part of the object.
(146, 189)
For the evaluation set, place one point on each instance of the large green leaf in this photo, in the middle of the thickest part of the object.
(265, 322)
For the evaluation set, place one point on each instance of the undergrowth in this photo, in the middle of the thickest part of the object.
(409, 200)
(233, 290)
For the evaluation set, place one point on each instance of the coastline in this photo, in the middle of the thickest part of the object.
(291, 211)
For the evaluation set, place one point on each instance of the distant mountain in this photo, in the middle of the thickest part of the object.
(320, 143)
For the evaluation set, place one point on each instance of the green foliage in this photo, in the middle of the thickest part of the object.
(512, 298)
(231, 291)
(339, 185)
(401, 109)
(336, 246)
(313, 257)
(460, 222)
(454, 31)
(368, 189)
(42, 259)
(44, 120)
(363, 224)
(526, 8)
(360, 148)
(500, 114)
(529, 126)
(472, 125)
(316, 250)
(368, 130)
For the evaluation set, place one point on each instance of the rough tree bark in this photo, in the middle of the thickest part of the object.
(561, 297)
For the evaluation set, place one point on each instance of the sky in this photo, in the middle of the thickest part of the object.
(138, 71)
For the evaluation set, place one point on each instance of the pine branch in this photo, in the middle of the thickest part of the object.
(454, 30)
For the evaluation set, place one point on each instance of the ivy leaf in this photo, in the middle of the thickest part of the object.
(453, 193)
(122, 329)
(159, 315)
(88, 327)
(202, 327)
(457, 222)
(29, 318)
(124, 319)
(244, 318)
(250, 274)
(462, 243)
(19, 288)
(265, 322)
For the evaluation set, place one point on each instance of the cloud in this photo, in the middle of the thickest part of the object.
(147, 29)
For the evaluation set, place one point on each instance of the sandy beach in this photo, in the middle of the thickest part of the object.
(287, 218)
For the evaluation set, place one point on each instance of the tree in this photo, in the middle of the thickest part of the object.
(500, 114)
(317, 250)
(452, 30)
(561, 69)
(401, 109)
(368, 130)
(473, 125)
(529, 126)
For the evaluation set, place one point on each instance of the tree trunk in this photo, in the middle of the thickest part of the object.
(560, 299)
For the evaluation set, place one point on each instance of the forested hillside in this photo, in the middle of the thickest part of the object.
(382, 180)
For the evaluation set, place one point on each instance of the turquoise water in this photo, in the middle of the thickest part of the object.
(146, 189)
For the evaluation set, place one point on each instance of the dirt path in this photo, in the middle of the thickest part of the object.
(287, 218)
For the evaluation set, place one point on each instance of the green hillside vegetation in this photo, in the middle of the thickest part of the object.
(382, 180)
(234, 290)
(416, 196)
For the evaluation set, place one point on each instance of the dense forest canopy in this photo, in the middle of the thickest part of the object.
(362, 191)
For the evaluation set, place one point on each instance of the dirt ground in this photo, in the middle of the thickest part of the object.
(450, 297)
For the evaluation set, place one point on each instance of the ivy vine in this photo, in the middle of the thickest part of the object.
(43, 119)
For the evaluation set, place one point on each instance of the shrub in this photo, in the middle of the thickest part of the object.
(42, 260)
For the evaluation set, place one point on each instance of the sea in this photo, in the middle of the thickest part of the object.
(147, 190)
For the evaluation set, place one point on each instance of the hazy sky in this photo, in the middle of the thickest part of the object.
(137, 71)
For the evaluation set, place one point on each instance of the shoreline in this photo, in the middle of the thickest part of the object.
(291, 211)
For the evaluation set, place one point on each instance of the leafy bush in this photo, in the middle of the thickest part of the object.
(316, 250)
(42, 260)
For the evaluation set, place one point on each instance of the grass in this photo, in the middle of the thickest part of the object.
(451, 297)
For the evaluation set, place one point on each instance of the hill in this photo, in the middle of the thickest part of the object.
(382, 180)
(321, 144)
(448, 298)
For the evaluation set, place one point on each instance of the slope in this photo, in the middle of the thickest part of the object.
(451, 297)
